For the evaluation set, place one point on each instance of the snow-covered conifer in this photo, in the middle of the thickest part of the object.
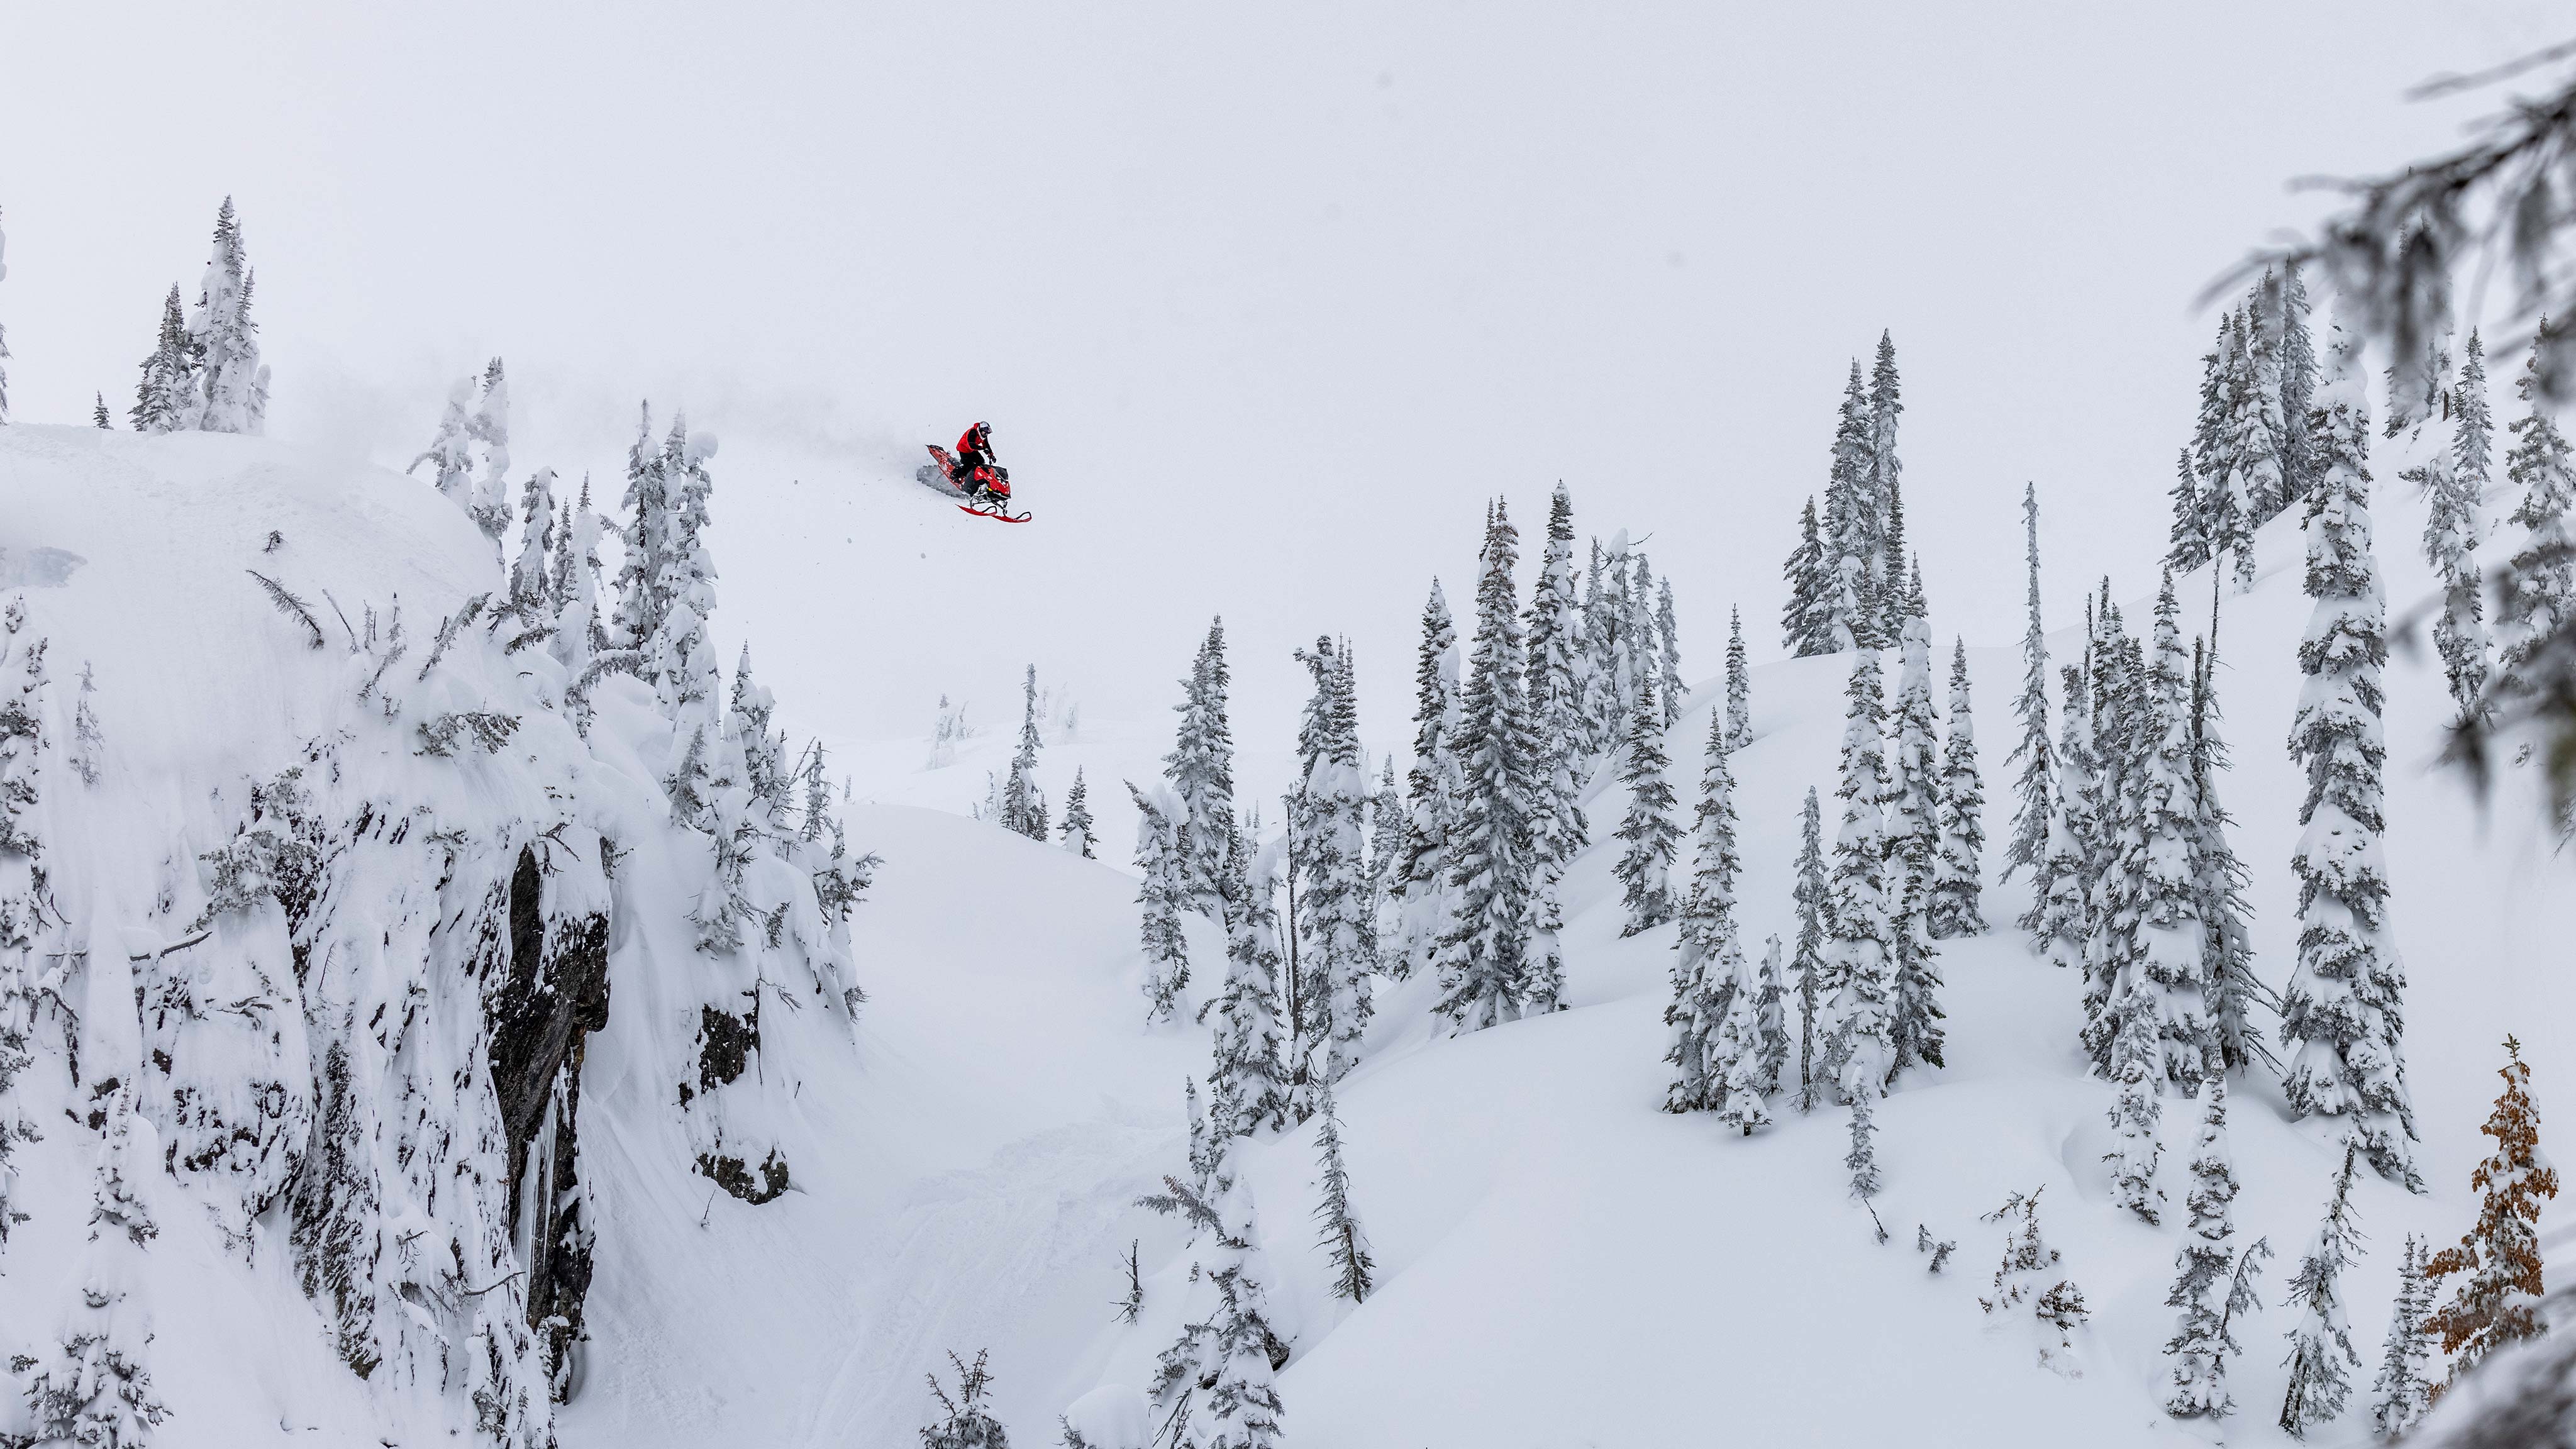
(1668, 653)
(2247, 455)
(1808, 969)
(2401, 1393)
(1433, 786)
(1344, 1242)
(2229, 962)
(2321, 1355)
(1886, 478)
(1853, 524)
(2540, 594)
(1739, 685)
(1770, 1008)
(532, 573)
(1387, 822)
(98, 414)
(97, 1391)
(2298, 385)
(1249, 1077)
(2188, 545)
(1913, 845)
(2500, 1292)
(1200, 772)
(2118, 829)
(1859, 924)
(1162, 894)
(1861, 1159)
(2136, 1112)
(2161, 882)
(1555, 687)
(1483, 957)
(1024, 809)
(2210, 1285)
(2342, 1014)
(2454, 526)
(966, 1420)
(1649, 839)
(1955, 908)
(1704, 946)
(1806, 621)
(1337, 939)
(230, 382)
(2259, 421)
(489, 506)
(2035, 791)
(1075, 832)
(1738, 1048)
(2065, 926)
(165, 399)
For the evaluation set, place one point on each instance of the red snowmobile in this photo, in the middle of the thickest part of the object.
(986, 487)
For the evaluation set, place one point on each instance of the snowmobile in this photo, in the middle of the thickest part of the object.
(986, 488)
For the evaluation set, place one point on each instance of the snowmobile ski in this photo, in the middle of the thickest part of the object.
(998, 517)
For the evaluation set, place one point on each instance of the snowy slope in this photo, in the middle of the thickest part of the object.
(1561, 1263)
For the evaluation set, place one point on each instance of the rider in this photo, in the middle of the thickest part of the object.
(974, 453)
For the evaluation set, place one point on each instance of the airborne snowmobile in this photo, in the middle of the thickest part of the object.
(971, 474)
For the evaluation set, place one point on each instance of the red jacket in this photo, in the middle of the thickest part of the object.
(976, 444)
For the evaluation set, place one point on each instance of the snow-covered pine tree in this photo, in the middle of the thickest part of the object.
(1075, 833)
(966, 1420)
(1555, 688)
(2210, 1286)
(1337, 942)
(2197, 538)
(1250, 1074)
(1641, 647)
(2401, 1393)
(1956, 904)
(2110, 916)
(2259, 417)
(1387, 819)
(1806, 621)
(2188, 539)
(1483, 957)
(450, 453)
(2161, 885)
(1668, 653)
(1770, 1007)
(2454, 526)
(2540, 595)
(1859, 920)
(2035, 791)
(98, 1391)
(98, 414)
(1024, 809)
(1162, 895)
(1200, 772)
(231, 384)
(1808, 969)
(1886, 480)
(1344, 1242)
(2321, 1355)
(1434, 785)
(1738, 1047)
(490, 503)
(642, 604)
(1853, 524)
(1649, 840)
(1702, 976)
(1243, 1404)
(2135, 1113)
(2499, 1297)
(1861, 1159)
(2343, 1015)
(532, 573)
(1739, 685)
(2247, 457)
(1601, 613)
(2064, 925)
(2298, 367)
(2229, 957)
(1913, 842)
(165, 399)
(2031, 1276)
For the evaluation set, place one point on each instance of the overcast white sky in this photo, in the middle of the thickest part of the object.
(1262, 300)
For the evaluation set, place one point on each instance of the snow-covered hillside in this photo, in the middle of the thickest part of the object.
(1560, 1263)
